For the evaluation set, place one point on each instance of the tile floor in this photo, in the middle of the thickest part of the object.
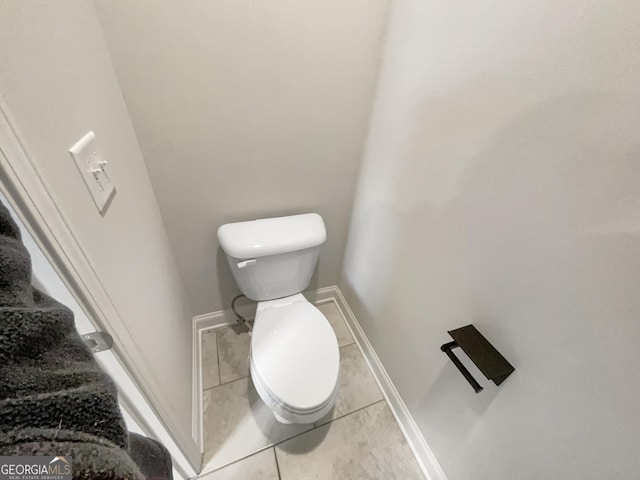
(358, 439)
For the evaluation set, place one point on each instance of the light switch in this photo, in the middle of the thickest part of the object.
(94, 170)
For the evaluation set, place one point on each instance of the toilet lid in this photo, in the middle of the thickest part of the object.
(295, 352)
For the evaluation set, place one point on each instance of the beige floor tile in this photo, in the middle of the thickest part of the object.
(330, 310)
(237, 423)
(261, 466)
(210, 374)
(357, 386)
(367, 444)
(233, 350)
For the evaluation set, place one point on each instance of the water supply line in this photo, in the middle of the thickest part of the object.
(239, 318)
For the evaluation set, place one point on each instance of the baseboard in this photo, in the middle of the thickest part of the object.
(321, 295)
(201, 324)
(425, 457)
(410, 430)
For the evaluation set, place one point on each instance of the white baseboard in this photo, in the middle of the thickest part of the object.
(410, 430)
(321, 295)
(425, 457)
(201, 324)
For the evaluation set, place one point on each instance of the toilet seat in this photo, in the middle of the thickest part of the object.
(295, 359)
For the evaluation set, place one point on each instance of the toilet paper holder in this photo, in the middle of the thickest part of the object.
(484, 355)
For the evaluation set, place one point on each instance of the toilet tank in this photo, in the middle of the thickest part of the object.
(273, 257)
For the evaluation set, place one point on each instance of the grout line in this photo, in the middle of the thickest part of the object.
(217, 359)
(244, 457)
(315, 427)
(350, 413)
(275, 455)
(226, 383)
(274, 445)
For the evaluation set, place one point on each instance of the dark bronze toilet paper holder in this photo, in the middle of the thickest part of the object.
(484, 355)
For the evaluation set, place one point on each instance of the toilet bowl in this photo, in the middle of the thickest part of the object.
(295, 359)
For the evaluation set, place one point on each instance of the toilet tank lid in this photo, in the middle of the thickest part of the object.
(272, 236)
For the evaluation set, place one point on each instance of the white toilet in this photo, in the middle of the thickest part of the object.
(294, 357)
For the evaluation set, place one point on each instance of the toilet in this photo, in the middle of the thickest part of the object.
(294, 360)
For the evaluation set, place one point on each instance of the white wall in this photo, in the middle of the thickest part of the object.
(500, 186)
(57, 82)
(246, 110)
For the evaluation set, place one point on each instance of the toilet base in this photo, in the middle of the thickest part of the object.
(282, 420)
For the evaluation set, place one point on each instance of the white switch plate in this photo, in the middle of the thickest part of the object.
(94, 170)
